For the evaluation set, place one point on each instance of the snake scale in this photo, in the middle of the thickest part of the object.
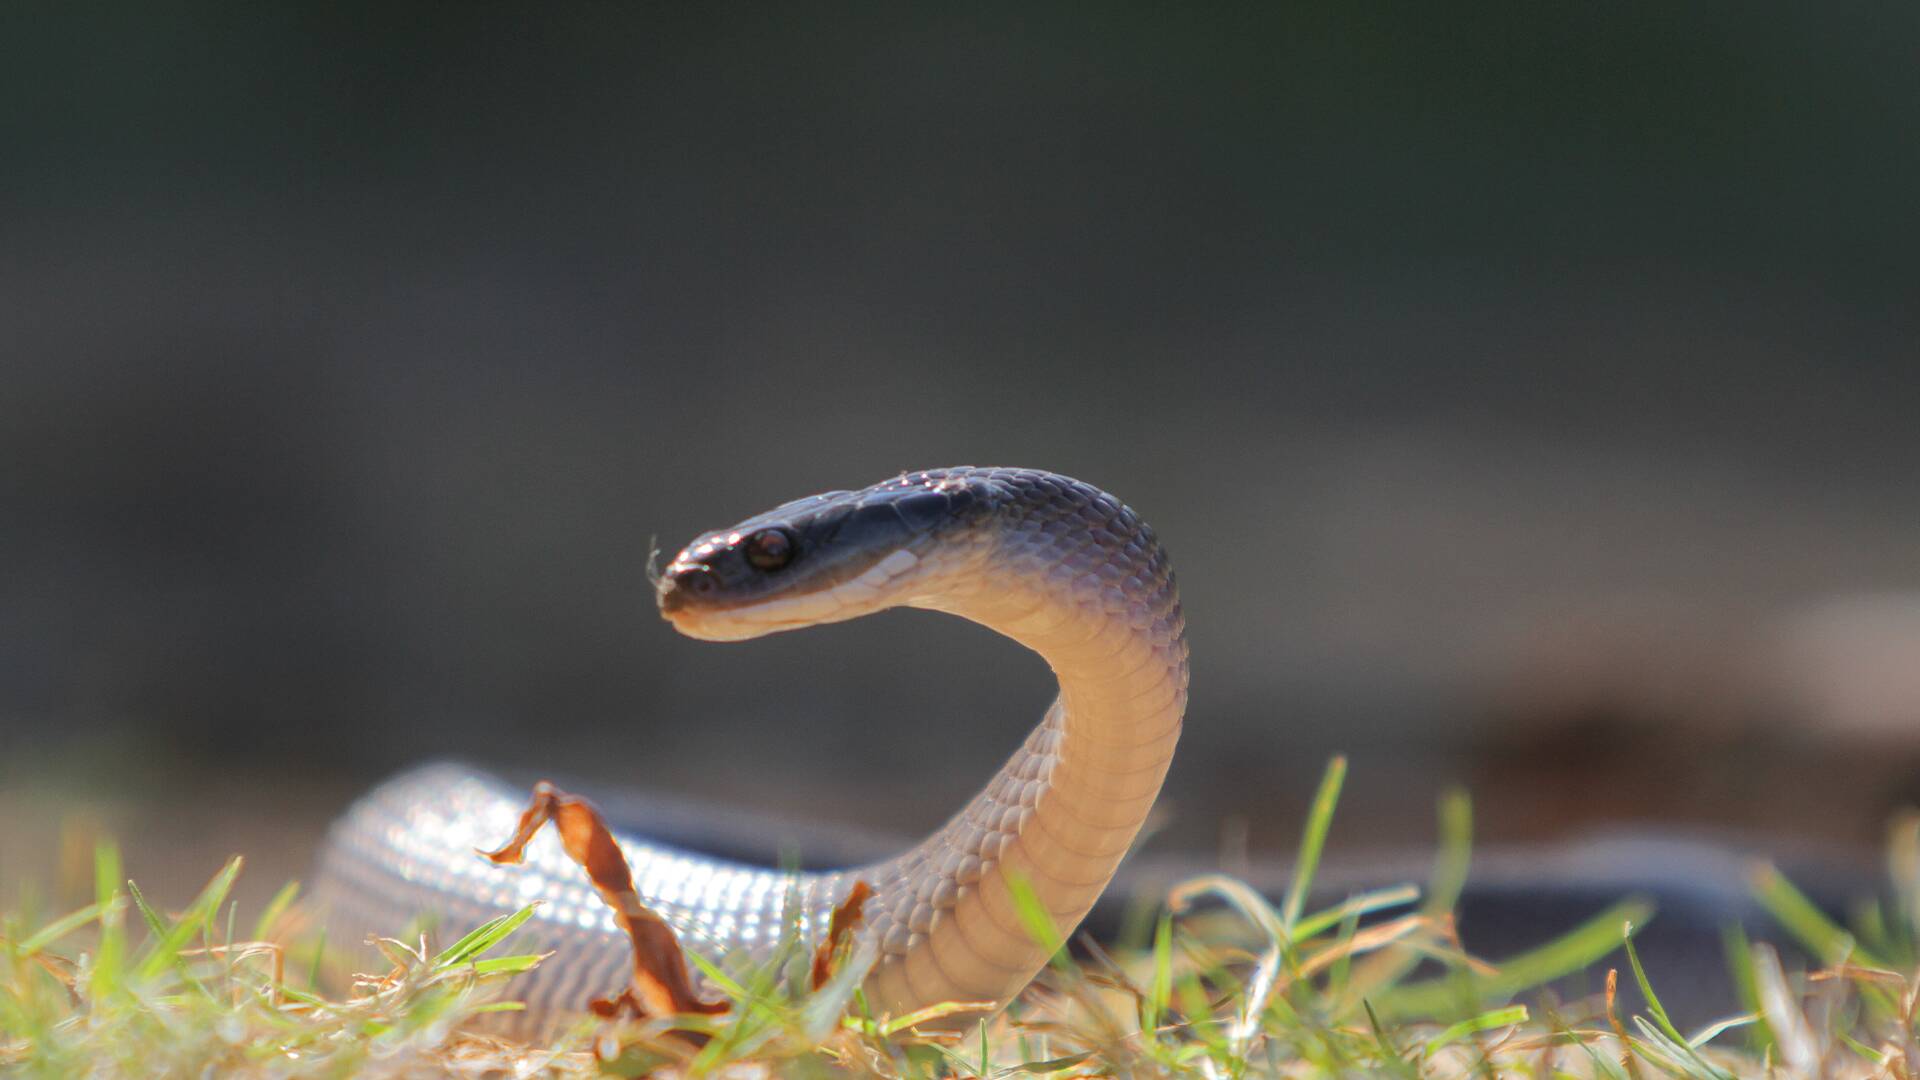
(1053, 563)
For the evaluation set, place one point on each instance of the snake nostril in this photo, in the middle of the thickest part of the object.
(686, 581)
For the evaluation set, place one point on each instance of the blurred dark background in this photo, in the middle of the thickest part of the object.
(1526, 392)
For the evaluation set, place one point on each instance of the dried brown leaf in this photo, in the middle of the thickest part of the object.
(845, 918)
(662, 984)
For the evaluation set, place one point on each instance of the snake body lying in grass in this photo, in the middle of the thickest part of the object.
(1053, 563)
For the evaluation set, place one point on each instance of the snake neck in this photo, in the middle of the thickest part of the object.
(1081, 581)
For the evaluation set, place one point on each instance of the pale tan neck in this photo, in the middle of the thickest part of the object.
(1063, 811)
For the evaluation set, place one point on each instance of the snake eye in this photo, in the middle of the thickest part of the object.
(770, 549)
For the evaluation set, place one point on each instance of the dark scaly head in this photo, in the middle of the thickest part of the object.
(830, 557)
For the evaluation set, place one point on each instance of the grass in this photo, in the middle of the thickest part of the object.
(1222, 984)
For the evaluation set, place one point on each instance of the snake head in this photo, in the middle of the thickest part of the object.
(826, 558)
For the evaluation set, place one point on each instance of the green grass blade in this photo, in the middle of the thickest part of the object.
(275, 909)
(1038, 922)
(110, 951)
(1241, 896)
(319, 956)
(1720, 1027)
(61, 927)
(1159, 992)
(207, 905)
(1389, 1056)
(718, 976)
(1681, 1048)
(1658, 1010)
(1313, 840)
(197, 918)
(1455, 857)
(1356, 906)
(961, 1066)
(1733, 940)
(157, 924)
(1342, 969)
(513, 965)
(483, 937)
(1800, 917)
(1497, 1018)
(1569, 953)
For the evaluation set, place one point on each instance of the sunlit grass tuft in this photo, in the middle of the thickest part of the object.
(1224, 984)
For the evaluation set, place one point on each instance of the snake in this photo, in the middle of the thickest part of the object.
(1053, 563)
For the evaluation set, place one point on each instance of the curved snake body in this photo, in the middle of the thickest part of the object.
(1053, 563)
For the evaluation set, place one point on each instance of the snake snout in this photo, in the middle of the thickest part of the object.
(684, 583)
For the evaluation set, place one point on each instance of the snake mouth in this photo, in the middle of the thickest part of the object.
(691, 598)
(747, 621)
